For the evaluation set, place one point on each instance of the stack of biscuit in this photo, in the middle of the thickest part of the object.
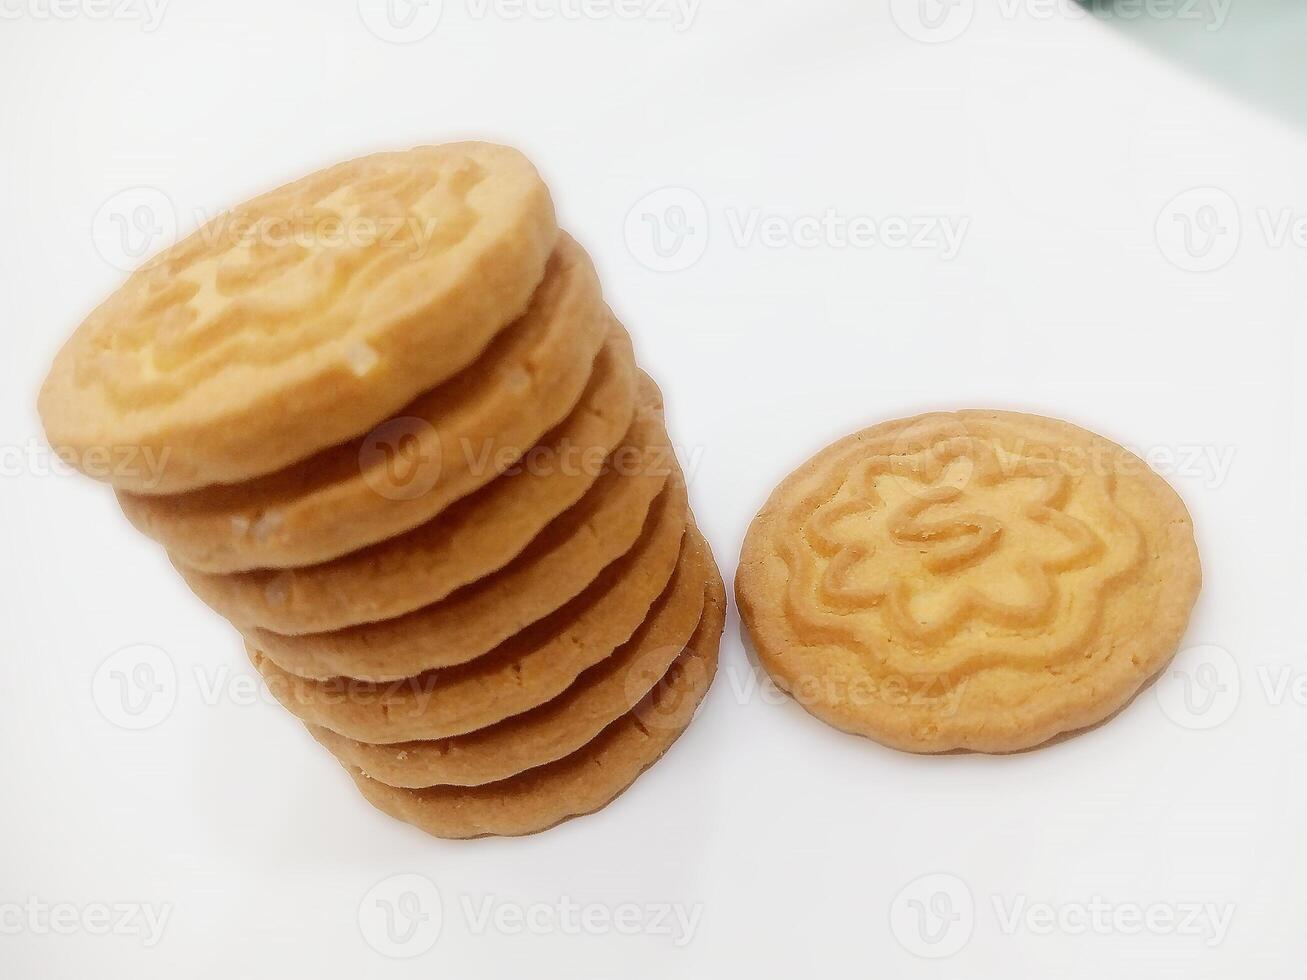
(388, 427)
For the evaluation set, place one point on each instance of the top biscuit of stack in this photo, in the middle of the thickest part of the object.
(304, 317)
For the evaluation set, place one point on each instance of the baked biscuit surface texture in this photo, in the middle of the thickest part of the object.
(303, 317)
(444, 445)
(975, 580)
(467, 541)
(524, 670)
(559, 726)
(634, 512)
(579, 783)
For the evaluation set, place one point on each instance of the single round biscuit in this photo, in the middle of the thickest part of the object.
(448, 443)
(580, 783)
(972, 580)
(597, 698)
(562, 561)
(524, 671)
(303, 317)
(467, 541)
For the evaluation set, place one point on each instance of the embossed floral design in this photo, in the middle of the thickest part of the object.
(258, 283)
(928, 536)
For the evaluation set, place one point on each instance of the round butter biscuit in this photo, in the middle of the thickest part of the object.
(302, 318)
(975, 580)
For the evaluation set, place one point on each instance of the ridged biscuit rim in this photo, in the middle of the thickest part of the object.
(542, 798)
(464, 543)
(596, 698)
(455, 700)
(560, 563)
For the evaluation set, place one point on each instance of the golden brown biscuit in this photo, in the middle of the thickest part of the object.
(562, 560)
(303, 317)
(525, 670)
(441, 447)
(972, 580)
(597, 698)
(467, 541)
(580, 783)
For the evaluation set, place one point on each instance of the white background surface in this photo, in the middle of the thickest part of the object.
(1058, 141)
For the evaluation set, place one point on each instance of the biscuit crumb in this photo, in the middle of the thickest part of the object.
(362, 358)
(517, 379)
(267, 525)
(278, 589)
